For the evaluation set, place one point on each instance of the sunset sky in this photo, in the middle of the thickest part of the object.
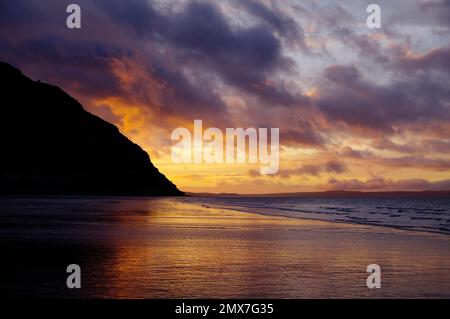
(357, 108)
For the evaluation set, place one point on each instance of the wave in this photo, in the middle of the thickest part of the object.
(427, 215)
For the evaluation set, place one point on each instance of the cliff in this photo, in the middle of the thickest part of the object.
(51, 146)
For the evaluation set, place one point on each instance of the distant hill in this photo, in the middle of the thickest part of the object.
(338, 194)
(50, 145)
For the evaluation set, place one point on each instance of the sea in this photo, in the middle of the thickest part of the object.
(419, 214)
(224, 247)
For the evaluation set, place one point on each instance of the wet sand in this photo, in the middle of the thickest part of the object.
(166, 248)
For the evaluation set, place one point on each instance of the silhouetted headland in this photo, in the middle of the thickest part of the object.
(51, 146)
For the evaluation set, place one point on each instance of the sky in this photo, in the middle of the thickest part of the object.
(357, 108)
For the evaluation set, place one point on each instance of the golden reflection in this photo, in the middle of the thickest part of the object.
(184, 250)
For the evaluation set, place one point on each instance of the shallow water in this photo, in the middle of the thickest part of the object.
(420, 214)
(186, 248)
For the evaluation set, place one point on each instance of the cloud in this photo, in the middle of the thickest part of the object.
(192, 52)
(284, 25)
(414, 146)
(306, 136)
(138, 16)
(347, 97)
(436, 59)
(383, 184)
(82, 65)
(417, 160)
(335, 166)
(439, 164)
(200, 37)
(307, 68)
(349, 152)
(331, 167)
(439, 9)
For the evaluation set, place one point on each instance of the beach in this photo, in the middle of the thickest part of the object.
(177, 248)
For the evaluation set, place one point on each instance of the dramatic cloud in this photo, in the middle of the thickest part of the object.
(348, 100)
(201, 37)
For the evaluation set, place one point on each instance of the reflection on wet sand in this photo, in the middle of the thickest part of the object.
(166, 248)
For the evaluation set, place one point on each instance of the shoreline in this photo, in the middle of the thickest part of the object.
(394, 228)
(267, 212)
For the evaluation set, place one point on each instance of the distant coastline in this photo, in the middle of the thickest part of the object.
(337, 194)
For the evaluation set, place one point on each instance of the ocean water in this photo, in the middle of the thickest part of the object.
(428, 215)
(209, 248)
